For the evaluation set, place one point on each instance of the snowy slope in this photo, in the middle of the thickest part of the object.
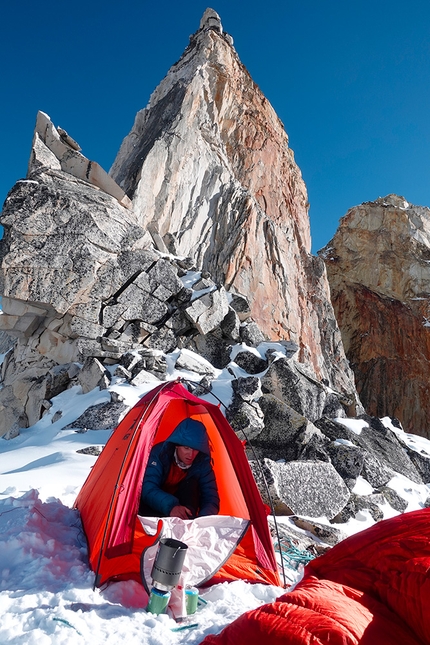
(46, 594)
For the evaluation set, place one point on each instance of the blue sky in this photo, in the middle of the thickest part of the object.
(349, 80)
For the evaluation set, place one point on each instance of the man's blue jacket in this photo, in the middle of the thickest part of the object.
(189, 433)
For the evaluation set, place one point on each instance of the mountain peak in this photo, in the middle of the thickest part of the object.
(211, 176)
(211, 20)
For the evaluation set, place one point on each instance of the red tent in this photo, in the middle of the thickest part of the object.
(109, 499)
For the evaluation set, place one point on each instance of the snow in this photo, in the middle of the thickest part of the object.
(242, 347)
(190, 279)
(362, 487)
(355, 425)
(46, 586)
(416, 494)
(46, 593)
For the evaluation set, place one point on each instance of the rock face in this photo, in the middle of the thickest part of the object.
(209, 171)
(81, 281)
(54, 148)
(378, 265)
(206, 172)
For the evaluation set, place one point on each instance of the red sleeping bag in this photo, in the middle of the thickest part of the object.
(373, 588)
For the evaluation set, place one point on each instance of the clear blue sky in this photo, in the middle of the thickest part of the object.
(349, 79)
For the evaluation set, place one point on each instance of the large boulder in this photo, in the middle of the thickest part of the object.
(246, 419)
(348, 461)
(92, 375)
(309, 488)
(103, 416)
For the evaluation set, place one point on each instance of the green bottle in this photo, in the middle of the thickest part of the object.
(158, 601)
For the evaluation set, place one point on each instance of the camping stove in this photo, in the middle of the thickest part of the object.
(167, 567)
(165, 574)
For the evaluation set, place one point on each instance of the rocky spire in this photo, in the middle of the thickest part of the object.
(209, 170)
(211, 20)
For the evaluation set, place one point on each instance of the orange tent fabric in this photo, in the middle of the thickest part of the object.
(109, 499)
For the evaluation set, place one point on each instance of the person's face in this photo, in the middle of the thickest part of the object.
(186, 454)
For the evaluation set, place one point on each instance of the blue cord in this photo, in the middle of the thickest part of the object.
(291, 555)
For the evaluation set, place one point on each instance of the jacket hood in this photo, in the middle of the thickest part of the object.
(191, 433)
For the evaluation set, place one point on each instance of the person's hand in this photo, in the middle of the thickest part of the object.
(181, 511)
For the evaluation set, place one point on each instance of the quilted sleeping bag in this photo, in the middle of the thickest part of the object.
(373, 588)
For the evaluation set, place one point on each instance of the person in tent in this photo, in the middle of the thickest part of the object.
(179, 480)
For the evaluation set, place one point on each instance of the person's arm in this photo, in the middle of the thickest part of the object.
(209, 498)
(152, 493)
